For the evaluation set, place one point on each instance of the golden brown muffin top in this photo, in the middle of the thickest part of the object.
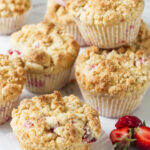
(57, 13)
(10, 8)
(45, 48)
(55, 122)
(12, 78)
(105, 12)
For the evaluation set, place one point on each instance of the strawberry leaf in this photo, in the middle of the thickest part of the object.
(144, 123)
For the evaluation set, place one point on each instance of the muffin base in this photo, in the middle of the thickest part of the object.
(6, 109)
(113, 107)
(110, 36)
(12, 24)
(74, 31)
(47, 83)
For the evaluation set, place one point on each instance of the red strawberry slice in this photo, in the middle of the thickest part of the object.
(128, 121)
(142, 135)
(121, 138)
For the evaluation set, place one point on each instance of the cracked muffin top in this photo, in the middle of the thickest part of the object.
(10, 8)
(12, 78)
(105, 12)
(57, 13)
(55, 122)
(45, 48)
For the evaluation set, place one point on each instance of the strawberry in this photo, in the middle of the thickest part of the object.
(142, 135)
(128, 121)
(87, 137)
(122, 138)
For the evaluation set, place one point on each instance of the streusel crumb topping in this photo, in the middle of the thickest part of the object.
(10, 8)
(105, 12)
(12, 78)
(117, 73)
(143, 38)
(57, 13)
(45, 48)
(55, 122)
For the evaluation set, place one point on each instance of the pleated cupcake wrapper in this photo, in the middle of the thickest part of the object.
(110, 36)
(6, 109)
(12, 24)
(74, 31)
(46, 83)
(113, 107)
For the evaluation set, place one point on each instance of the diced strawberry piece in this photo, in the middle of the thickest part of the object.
(93, 66)
(18, 52)
(10, 51)
(142, 135)
(28, 124)
(128, 121)
(141, 60)
(52, 130)
(87, 137)
(91, 140)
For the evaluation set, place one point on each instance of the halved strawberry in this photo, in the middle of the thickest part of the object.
(122, 138)
(128, 121)
(142, 135)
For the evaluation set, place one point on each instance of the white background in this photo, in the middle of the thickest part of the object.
(37, 13)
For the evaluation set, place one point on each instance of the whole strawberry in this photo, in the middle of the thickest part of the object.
(142, 136)
(128, 121)
(122, 138)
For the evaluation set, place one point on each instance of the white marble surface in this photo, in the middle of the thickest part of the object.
(37, 13)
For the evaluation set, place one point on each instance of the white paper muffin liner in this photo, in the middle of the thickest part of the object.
(74, 31)
(47, 83)
(113, 107)
(12, 24)
(6, 109)
(110, 36)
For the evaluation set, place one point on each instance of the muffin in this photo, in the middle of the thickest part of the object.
(114, 82)
(57, 13)
(49, 54)
(12, 80)
(13, 15)
(107, 24)
(53, 122)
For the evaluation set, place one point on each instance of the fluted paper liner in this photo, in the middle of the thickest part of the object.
(46, 83)
(110, 107)
(110, 36)
(74, 31)
(6, 109)
(12, 24)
